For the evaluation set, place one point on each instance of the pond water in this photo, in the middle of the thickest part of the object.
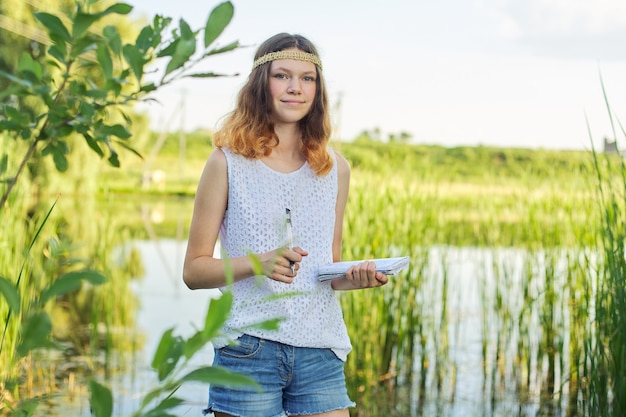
(466, 387)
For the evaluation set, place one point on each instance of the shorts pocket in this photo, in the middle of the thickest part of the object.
(244, 347)
(327, 355)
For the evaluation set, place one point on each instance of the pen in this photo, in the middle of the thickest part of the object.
(292, 264)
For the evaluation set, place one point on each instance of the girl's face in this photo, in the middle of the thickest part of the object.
(292, 86)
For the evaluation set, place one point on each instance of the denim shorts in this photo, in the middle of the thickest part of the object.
(293, 380)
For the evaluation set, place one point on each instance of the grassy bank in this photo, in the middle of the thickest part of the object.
(405, 199)
(181, 158)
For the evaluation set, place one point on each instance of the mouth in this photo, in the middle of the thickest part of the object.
(292, 102)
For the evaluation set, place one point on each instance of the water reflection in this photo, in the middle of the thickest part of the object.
(491, 331)
(484, 342)
(483, 320)
(165, 303)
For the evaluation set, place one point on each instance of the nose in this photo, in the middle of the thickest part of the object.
(294, 86)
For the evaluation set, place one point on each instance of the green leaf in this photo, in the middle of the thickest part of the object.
(257, 266)
(219, 376)
(116, 130)
(167, 355)
(62, 132)
(128, 148)
(119, 8)
(146, 88)
(28, 64)
(60, 160)
(82, 21)
(34, 333)
(185, 48)
(113, 39)
(114, 87)
(54, 25)
(58, 150)
(146, 39)
(194, 344)
(167, 404)
(27, 407)
(152, 395)
(185, 30)
(101, 402)
(57, 53)
(26, 133)
(96, 93)
(170, 49)
(7, 288)
(70, 282)
(218, 312)
(113, 159)
(4, 164)
(15, 115)
(271, 324)
(93, 144)
(219, 18)
(148, 397)
(231, 46)
(86, 112)
(84, 44)
(208, 75)
(135, 60)
(24, 83)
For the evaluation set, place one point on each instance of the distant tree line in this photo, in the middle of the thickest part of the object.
(377, 135)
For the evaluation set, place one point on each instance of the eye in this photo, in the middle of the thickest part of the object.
(309, 78)
(281, 76)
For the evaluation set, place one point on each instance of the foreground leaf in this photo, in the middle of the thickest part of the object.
(7, 288)
(34, 333)
(216, 375)
(219, 18)
(54, 25)
(71, 282)
(167, 355)
(101, 401)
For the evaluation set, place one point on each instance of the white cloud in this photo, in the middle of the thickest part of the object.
(557, 17)
(569, 29)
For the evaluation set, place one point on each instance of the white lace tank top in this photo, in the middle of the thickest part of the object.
(255, 222)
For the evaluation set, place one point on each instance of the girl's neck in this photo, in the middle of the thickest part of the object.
(288, 133)
(289, 139)
(287, 155)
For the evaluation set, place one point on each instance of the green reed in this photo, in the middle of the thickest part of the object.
(74, 237)
(606, 353)
(534, 306)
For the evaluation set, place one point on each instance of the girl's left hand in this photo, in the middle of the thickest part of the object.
(364, 275)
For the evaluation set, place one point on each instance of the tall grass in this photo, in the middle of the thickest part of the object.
(533, 286)
(606, 350)
(75, 236)
(531, 240)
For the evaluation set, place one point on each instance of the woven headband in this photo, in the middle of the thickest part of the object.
(298, 55)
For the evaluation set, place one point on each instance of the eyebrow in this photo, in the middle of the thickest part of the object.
(291, 71)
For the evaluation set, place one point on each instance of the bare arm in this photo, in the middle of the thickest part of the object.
(201, 269)
(363, 275)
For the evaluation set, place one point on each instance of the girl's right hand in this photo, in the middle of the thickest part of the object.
(276, 264)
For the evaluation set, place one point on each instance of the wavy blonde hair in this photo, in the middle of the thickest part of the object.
(249, 130)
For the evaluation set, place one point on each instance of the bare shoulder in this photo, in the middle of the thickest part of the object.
(215, 172)
(217, 158)
(216, 164)
(343, 166)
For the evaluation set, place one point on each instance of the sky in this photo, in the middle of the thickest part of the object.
(511, 73)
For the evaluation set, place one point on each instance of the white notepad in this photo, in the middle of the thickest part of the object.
(388, 266)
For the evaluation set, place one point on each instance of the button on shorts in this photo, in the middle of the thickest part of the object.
(293, 380)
